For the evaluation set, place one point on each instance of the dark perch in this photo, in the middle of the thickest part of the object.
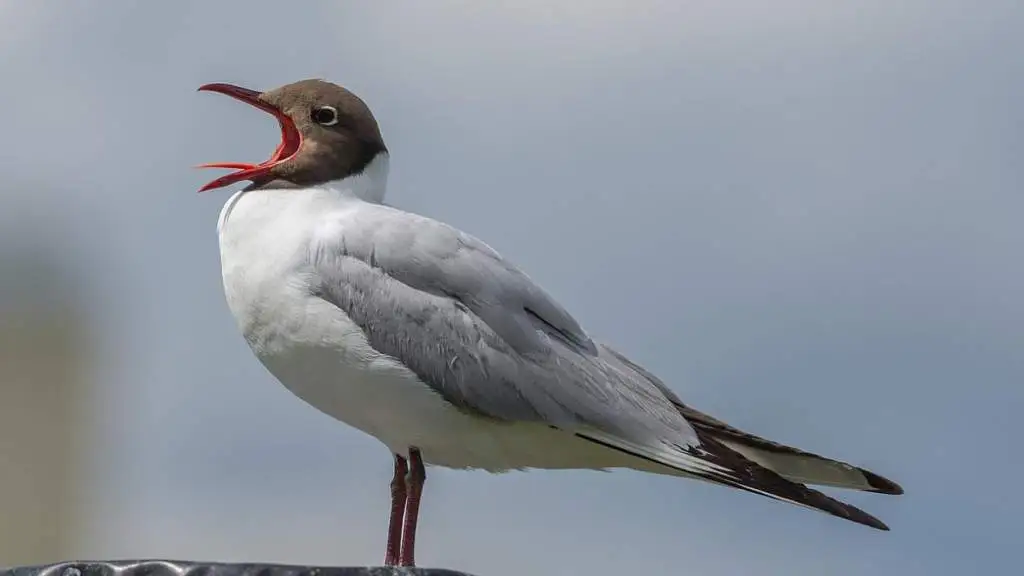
(178, 568)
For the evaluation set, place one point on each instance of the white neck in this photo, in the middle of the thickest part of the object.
(369, 185)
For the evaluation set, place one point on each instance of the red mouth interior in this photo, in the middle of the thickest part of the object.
(291, 140)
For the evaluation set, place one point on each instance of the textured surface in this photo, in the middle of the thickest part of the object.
(176, 568)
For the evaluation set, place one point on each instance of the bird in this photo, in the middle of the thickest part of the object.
(426, 338)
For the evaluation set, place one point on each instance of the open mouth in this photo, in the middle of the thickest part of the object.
(291, 140)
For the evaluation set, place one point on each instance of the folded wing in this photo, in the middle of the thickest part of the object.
(477, 330)
(490, 341)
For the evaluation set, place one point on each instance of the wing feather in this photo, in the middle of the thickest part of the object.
(489, 340)
(716, 463)
(479, 331)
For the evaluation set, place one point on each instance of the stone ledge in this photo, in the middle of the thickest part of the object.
(179, 568)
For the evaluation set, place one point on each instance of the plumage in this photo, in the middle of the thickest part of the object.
(426, 338)
(476, 329)
(417, 291)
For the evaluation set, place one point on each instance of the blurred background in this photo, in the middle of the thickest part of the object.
(803, 215)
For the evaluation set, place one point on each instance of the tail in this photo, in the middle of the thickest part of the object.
(791, 463)
(715, 462)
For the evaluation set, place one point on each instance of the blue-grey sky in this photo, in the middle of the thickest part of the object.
(803, 215)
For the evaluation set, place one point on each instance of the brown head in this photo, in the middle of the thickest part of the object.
(327, 133)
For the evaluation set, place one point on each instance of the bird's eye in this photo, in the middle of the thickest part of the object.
(325, 115)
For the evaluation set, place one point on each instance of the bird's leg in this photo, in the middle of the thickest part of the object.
(398, 497)
(417, 475)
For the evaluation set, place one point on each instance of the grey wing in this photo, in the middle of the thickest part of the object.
(479, 331)
(491, 342)
(437, 259)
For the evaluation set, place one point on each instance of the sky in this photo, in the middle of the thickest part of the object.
(804, 216)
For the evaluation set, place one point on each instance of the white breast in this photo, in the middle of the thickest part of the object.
(312, 347)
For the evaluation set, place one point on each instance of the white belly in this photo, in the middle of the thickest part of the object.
(326, 360)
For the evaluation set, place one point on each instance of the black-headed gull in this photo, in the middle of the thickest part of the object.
(426, 338)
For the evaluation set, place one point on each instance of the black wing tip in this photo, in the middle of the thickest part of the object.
(879, 525)
(880, 484)
(756, 478)
(763, 481)
(854, 514)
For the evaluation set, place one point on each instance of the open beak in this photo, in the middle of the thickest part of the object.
(291, 139)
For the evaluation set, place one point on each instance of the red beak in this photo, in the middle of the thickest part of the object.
(291, 139)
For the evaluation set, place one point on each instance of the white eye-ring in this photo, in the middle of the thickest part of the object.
(325, 115)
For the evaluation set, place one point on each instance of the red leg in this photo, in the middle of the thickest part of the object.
(417, 475)
(398, 497)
